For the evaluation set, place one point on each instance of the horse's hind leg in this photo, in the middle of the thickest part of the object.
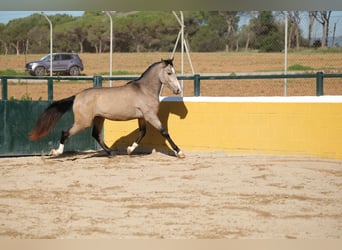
(76, 127)
(60, 150)
(142, 132)
(98, 126)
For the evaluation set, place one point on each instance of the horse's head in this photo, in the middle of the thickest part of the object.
(168, 76)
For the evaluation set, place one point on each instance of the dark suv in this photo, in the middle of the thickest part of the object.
(66, 63)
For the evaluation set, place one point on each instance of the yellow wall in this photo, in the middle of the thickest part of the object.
(257, 127)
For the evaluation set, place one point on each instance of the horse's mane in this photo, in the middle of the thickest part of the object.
(166, 62)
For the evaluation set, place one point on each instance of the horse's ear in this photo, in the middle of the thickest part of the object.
(163, 62)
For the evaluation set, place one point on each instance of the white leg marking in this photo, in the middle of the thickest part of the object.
(130, 149)
(59, 151)
(180, 155)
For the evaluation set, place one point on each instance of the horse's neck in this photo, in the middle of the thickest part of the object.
(151, 84)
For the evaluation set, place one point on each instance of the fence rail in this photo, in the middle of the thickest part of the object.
(97, 80)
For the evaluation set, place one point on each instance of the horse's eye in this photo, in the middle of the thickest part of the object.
(169, 73)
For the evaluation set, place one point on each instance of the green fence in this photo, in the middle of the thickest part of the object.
(20, 116)
(97, 80)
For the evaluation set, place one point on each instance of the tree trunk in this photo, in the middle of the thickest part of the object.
(247, 42)
(289, 42)
(100, 47)
(81, 46)
(333, 38)
(237, 45)
(16, 46)
(27, 46)
(311, 22)
(323, 18)
(297, 37)
(324, 35)
(5, 46)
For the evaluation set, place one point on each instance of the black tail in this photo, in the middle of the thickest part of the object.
(49, 118)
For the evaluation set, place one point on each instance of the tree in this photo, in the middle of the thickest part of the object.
(294, 29)
(323, 18)
(311, 22)
(38, 38)
(246, 34)
(3, 43)
(267, 34)
(16, 34)
(231, 19)
(207, 40)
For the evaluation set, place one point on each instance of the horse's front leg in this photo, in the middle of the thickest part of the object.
(142, 132)
(155, 122)
(177, 150)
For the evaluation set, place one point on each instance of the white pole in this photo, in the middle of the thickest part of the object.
(51, 59)
(182, 50)
(285, 56)
(111, 48)
(183, 46)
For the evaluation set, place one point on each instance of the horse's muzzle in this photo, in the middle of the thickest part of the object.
(177, 91)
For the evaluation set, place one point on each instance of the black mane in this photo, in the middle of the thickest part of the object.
(166, 62)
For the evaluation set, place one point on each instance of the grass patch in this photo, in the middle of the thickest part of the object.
(12, 72)
(333, 50)
(299, 67)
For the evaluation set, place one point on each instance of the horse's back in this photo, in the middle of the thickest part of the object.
(115, 103)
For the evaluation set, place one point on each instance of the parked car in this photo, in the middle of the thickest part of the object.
(66, 63)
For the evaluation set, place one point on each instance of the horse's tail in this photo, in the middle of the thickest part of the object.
(49, 118)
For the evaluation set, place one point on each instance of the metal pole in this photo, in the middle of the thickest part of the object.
(4, 88)
(285, 55)
(319, 83)
(111, 47)
(197, 85)
(50, 89)
(50, 41)
(182, 51)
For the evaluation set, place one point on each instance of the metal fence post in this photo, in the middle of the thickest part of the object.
(319, 83)
(197, 85)
(50, 89)
(94, 81)
(4, 88)
(97, 82)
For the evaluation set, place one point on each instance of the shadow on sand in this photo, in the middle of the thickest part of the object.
(153, 140)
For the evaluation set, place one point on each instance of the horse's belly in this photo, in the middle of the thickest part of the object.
(120, 114)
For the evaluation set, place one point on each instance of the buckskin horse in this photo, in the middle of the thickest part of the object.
(138, 99)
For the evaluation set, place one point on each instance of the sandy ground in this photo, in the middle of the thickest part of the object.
(207, 195)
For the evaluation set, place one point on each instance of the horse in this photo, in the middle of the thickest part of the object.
(138, 99)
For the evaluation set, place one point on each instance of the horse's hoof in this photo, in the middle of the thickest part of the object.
(180, 155)
(130, 150)
(53, 152)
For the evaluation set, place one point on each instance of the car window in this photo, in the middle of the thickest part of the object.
(45, 58)
(57, 57)
(66, 57)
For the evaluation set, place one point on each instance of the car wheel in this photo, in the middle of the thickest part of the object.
(74, 71)
(40, 71)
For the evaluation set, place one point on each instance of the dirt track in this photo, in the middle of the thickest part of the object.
(206, 195)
